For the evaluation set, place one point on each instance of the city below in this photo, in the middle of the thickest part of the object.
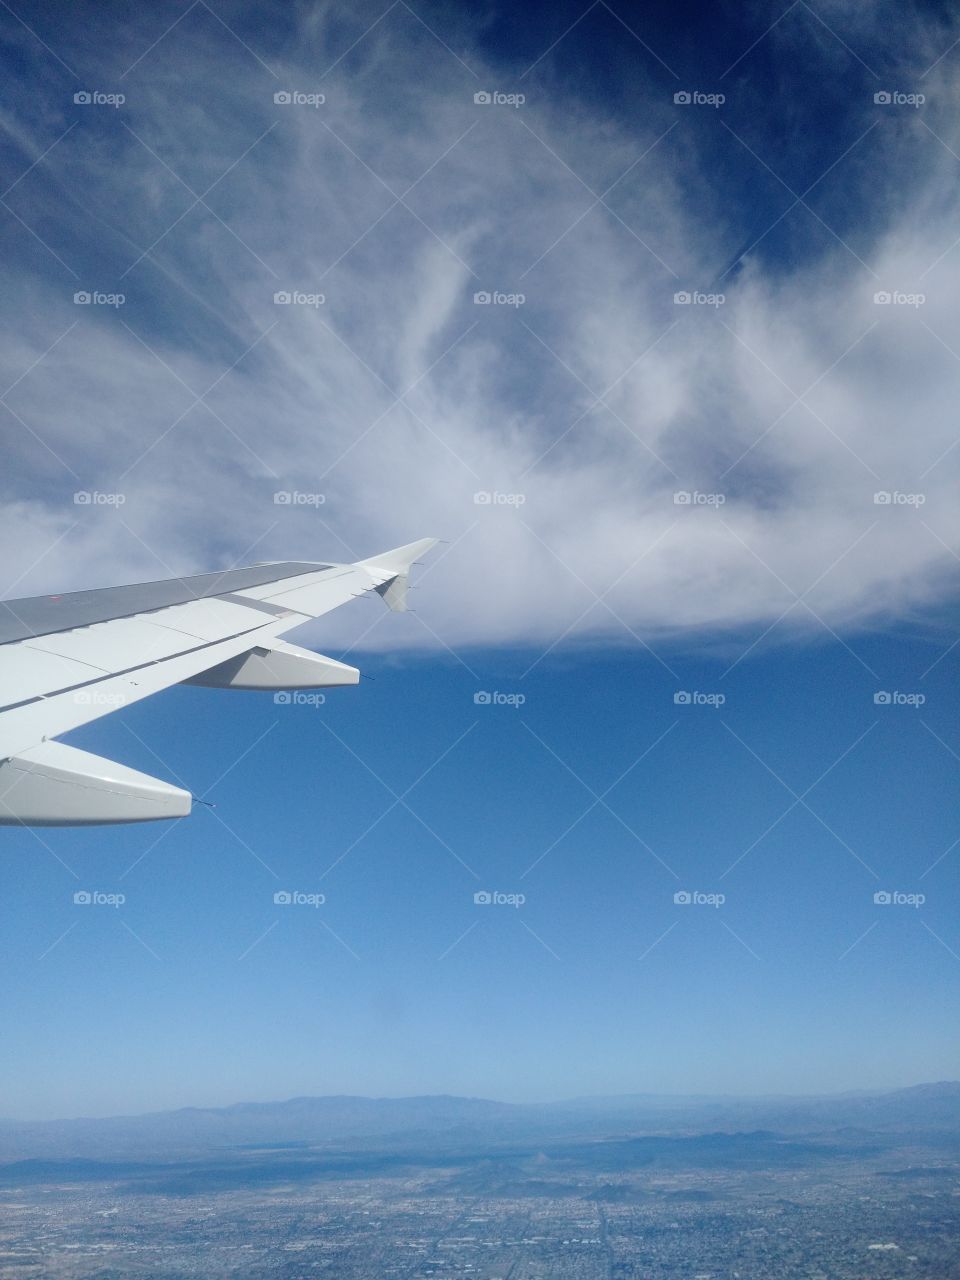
(833, 1188)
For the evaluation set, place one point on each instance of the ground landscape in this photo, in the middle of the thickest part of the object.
(846, 1188)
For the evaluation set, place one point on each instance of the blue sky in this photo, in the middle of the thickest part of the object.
(783, 598)
(399, 982)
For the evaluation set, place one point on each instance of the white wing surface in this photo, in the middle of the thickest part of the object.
(66, 660)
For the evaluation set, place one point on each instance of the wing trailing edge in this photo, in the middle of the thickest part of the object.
(69, 659)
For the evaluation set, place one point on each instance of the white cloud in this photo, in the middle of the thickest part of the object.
(500, 398)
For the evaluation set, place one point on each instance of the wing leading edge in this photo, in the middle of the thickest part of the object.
(66, 660)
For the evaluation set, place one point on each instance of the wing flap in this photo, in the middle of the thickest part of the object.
(47, 715)
(113, 646)
(213, 619)
(24, 671)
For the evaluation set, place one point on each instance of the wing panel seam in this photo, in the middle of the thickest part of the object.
(141, 666)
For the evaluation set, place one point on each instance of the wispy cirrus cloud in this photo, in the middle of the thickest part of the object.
(551, 440)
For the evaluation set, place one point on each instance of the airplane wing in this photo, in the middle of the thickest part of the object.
(66, 660)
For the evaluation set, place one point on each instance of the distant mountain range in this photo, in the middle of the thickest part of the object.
(449, 1123)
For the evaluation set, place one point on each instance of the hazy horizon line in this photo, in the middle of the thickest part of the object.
(553, 1102)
